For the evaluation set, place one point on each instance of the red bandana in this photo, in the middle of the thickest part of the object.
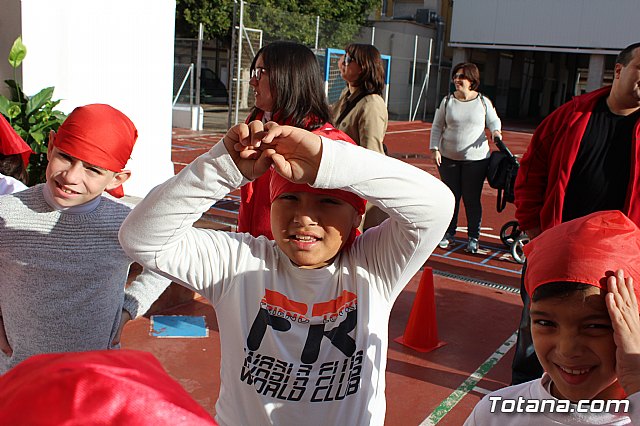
(96, 387)
(100, 135)
(585, 250)
(11, 143)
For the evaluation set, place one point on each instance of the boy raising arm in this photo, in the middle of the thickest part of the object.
(303, 319)
(62, 287)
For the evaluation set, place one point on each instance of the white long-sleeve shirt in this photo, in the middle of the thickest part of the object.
(459, 132)
(299, 346)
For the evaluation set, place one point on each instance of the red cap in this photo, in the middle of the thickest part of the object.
(97, 387)
(585, 250)
(100, 135)
(11, 143)
(279, 185)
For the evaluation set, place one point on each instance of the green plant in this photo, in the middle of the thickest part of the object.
(32, 117)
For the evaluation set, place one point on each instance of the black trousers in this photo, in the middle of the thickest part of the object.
(525, 366)
(465, 179)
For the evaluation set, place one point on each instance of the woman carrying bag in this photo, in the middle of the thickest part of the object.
(361, 112)
(461, 150)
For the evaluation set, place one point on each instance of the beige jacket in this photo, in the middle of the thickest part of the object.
(366, 123)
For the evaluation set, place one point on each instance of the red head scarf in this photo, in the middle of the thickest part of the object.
(100, 135)
(11, 143)
(279, 185)
(97, 387)
(585, 250)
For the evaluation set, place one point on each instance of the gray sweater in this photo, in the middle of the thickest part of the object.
(62, 281)
(459, 132)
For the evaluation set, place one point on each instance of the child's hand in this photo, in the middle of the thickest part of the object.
(4, 343)
(243, 144)
(294, 152)
(625, 319)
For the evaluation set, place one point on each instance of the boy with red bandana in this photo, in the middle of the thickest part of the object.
(304, 318)
(62, 286)
(583, 277)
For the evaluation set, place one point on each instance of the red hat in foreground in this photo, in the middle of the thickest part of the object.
(100, 135)
(585, 250)
(11, 143)
(111, 387)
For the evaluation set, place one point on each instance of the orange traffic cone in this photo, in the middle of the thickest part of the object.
(421, 332)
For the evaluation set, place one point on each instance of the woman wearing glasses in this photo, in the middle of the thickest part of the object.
(361, 112)
(460, 148)
(287, 83)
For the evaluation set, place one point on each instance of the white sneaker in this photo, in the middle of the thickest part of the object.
(445, 242)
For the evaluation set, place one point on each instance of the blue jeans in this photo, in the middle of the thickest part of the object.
(465, 179)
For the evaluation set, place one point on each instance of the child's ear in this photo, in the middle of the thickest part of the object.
(357, 220)
(118, 179)
(52, 138)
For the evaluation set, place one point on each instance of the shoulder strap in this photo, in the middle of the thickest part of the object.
(349, 106)
(446, 102)
(484, 104)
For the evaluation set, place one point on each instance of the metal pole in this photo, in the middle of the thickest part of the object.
(440, 52)
(413, 74)
(198, 72)
(231, 84)
(425, 82)
(317, 31)
(240, 28)
(373, 36)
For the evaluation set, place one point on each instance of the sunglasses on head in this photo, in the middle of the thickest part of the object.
(257, 72)
(459, 76)
(347, 59)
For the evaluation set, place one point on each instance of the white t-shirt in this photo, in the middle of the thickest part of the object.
(532, 393)
(299, 346)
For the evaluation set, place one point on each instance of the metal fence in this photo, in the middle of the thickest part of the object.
(414, 86)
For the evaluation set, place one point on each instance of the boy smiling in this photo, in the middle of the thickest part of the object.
(585, 327)
(62, 287)
(303, 319)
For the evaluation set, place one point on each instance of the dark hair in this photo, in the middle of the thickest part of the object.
(12, 165)
(470, 72)
(558, 290)
(625, 56)
(296, 85)
(368, 57)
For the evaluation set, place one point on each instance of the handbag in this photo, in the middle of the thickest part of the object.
(501, 174)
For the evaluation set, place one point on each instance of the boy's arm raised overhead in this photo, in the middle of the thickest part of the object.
(419, 206)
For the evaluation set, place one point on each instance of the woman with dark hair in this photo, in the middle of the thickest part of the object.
(287, 82)
(460, 148)
(361, 112)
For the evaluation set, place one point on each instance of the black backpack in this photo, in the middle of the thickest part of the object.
(501, 174)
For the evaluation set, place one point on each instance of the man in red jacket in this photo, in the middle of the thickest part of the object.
(583, 158)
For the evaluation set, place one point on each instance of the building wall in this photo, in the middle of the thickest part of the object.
(10, 22)
(92, 52)
(551, 24)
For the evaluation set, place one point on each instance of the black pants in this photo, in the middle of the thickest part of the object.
(465, 179)
(525, 366)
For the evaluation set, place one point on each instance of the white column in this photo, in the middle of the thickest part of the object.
(118, 52)
(596, 72)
